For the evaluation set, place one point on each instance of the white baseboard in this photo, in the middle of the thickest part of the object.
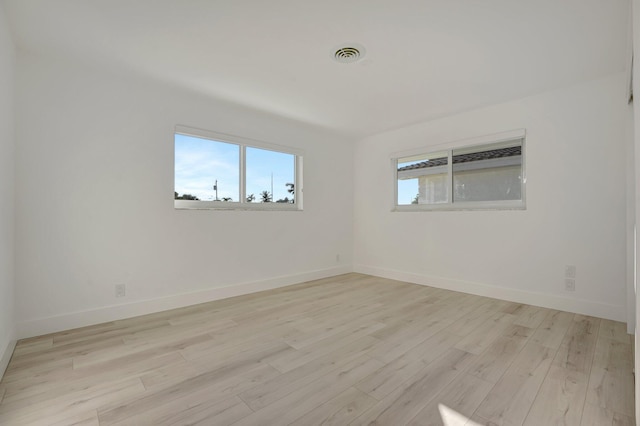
(585, 307)
(6, 356)
(40, 326)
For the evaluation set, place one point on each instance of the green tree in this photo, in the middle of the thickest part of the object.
(416, 199)
(185, 197)
(227, 199)
(265, 197)
(291, 189)
(250, 198)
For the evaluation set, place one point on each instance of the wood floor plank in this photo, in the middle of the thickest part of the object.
(399, 343)
(348, 349)
(117, 330)
(142, 337)
(594, 415)
(560, 400)
(225, 412)
(426, 327)
(614, 330)
(126, 355)
(71, 404)
(284, 384)
(237, 339)
(484, 335)
(38, 346)
(393, 374)
(492, 363)
(226, 352)
(311, 336)
(223, 364)
(341, 311)
(551, 331)
(170, 373)
(476, 420)
(418, 309)
(511, 398)
(76, 380)
(53, 354)
(432, 348)
(388, 378)
(209, 386)
(223, 367)
(622, 420)
(513, 308)
(455, 404)
(196, 409)
(340, 410)
(403, 404)
(530, 316)
(611, 391)
(294, 359)
(611, 383)
(578, 346)
(276, 313)
(150, 344)
(469, 322)
(613, 356)
(37, 340)
(89, 418)
(38, 373)
(297, 404)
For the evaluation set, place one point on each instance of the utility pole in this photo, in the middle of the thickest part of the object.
(215, 188)
(272, 186)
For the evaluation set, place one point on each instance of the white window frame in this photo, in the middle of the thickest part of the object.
(519, 134)
(243, 143)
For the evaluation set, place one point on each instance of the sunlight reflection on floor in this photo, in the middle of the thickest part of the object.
(451, 417)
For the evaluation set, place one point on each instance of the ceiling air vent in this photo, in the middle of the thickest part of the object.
(349, 53)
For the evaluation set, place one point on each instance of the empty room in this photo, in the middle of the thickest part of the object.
(352, 212)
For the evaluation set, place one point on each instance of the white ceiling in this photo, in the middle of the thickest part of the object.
(425, 58)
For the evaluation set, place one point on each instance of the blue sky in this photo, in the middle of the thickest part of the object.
(200, 162)
(407, 189)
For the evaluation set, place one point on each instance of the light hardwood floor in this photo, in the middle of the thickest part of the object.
(352, 349)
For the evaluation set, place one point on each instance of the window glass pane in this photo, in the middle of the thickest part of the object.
(270, 176)
(422, 179)
(206, 169)
(488, 172)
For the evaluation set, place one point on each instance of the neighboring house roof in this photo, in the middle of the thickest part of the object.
(466, 158)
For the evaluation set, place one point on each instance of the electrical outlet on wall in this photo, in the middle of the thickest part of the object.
(570, 271)
(569, 284)
(121, 290)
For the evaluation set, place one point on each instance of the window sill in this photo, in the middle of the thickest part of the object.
(515, 205)
(223, 205)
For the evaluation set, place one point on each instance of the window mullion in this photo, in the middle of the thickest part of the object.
(394, 164)
(220, 151)
(463, 176)
(450, 177)
(243, 174)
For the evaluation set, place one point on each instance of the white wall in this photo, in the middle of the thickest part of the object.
(95, 201)
(576, 206)
(631, 221)
(635, 17)
(7, 64)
